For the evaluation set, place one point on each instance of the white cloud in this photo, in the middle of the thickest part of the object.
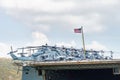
(4, 49)
(67, 13)
(38, 39)
(96, 46)
(91, 22)
(70, 44)
(40, 27)
(37, 5)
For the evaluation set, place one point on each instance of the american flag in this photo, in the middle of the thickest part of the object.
(79, 30)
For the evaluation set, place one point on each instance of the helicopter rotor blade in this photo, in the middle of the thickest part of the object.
(11, 49)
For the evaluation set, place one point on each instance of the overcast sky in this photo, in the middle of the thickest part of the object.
(37, 22)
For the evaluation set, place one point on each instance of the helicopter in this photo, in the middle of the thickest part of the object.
(24, 58)
(53, 53)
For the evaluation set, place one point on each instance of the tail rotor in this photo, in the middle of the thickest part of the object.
(12, 50)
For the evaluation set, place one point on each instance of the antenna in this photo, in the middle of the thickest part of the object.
(11, 49)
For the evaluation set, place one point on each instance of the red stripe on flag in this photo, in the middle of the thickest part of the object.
(78, 30)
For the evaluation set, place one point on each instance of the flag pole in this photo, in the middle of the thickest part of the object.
(83, 41)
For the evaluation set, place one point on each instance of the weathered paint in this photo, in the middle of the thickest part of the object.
(34, 73)
(30, 73)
